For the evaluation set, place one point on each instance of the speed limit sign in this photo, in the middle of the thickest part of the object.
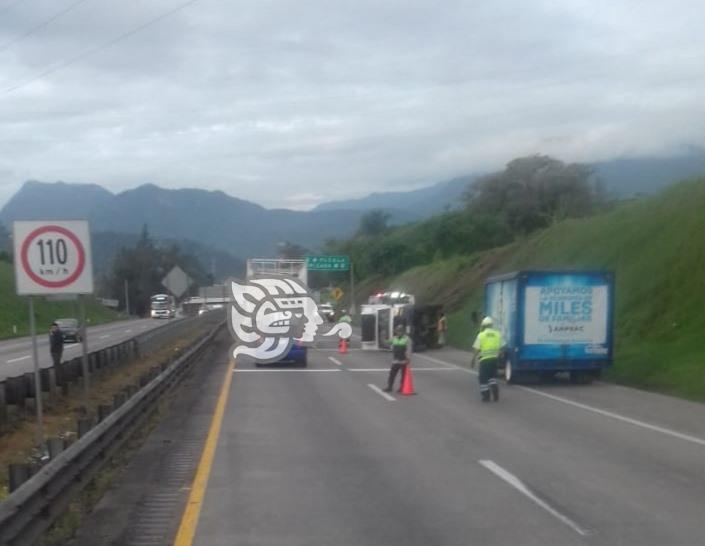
(52, 257)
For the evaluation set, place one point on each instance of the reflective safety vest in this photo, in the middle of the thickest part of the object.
(488, 342)
(399, 345)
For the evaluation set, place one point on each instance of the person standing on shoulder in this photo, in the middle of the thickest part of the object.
(345, 318)
(487, 346)
(56, 343)
(401, 355)
(442, 329)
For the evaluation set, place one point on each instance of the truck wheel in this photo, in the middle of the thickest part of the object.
(581, 377)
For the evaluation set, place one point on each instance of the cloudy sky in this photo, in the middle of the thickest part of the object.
(290, 103)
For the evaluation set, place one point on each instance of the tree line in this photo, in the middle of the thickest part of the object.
(531, 193)
(144, 266)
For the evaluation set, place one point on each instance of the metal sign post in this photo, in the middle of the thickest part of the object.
(52, 258)
(37, 378)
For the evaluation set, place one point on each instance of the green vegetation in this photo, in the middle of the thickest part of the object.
(656, 247)
(530, 193)
(144, 266)
(14, 310)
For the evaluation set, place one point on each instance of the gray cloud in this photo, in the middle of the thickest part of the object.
(290, 103)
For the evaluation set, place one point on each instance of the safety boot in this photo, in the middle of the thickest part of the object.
(485, 396)
(495, 391)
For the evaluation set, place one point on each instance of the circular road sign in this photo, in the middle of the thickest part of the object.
(53, 256)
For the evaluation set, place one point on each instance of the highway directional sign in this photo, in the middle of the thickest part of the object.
(52, 257)
(328, 263)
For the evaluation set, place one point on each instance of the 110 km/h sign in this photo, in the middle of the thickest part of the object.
(52, 257)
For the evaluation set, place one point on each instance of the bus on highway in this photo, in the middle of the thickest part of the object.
(162, 306)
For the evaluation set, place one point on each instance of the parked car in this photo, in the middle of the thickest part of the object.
(70, 329)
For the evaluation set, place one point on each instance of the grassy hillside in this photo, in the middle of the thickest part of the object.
(656, 247)
(14, 309)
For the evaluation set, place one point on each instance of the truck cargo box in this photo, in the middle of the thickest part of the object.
(553, 321)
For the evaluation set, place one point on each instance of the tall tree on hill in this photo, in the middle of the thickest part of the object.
(374, 222)
(291, 251)
(144, 266)
(535, 192)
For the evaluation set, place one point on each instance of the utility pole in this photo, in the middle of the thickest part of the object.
(127, 299)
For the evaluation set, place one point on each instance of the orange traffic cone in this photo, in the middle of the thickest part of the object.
(343, 346)
(407, 381)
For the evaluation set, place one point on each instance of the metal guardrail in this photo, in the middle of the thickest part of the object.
(38, 502)
(17, 391)
(154, 339)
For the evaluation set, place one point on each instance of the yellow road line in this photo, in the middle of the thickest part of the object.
(189, 520)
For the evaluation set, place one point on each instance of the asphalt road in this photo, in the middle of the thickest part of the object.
(16, 354)
(318, 456)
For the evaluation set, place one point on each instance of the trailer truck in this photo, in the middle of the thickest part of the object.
(273, 267)
(553, 321)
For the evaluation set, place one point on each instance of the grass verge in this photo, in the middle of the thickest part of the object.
(655, 246)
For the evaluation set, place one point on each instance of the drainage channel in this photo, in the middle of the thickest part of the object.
(154, 517)
(144, 505)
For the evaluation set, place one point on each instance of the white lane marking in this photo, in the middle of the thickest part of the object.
(444, 363)
(105, 336)
(237, 370)
(413, 369)
(78, 345)
(18, 359)
(618, 417)
(598, 411)
(128, 331)
(517, 484)
(381, 392)
(335, 361)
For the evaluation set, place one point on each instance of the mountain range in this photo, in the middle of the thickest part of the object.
(212, 218)
(224, 230)
(421, 203)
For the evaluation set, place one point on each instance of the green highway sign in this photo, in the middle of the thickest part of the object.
(328, 263)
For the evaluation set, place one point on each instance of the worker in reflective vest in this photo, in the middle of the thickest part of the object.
(401, 355)
(487, 346)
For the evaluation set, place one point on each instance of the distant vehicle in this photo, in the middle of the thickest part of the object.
(553, 321)
(162, 306)
(327, 312)
(70, 329)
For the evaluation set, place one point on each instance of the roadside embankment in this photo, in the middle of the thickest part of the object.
(655, 246)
